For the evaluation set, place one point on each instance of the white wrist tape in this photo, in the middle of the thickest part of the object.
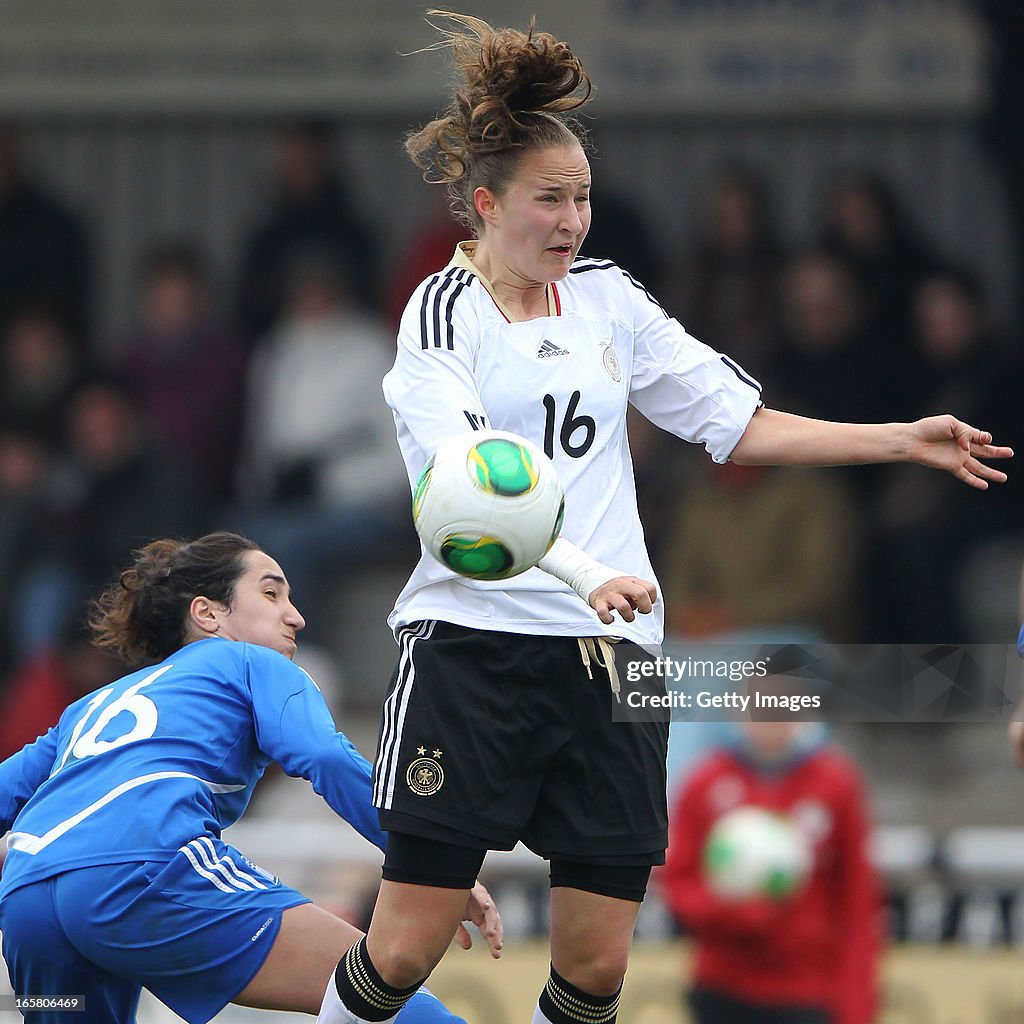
(574, 566)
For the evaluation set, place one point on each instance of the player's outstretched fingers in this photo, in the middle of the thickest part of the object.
(985, 472)
(991, 451)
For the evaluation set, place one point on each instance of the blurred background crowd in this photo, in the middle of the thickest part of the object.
(250, 399)
(197, 307)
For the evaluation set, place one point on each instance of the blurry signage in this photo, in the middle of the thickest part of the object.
(358, 57)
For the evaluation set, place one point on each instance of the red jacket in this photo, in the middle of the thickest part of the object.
(35, 698)
(820, 947)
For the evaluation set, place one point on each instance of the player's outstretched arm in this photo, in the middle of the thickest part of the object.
(941, 442)
(23, 773)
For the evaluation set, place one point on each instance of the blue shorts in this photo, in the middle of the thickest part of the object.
(194, 930)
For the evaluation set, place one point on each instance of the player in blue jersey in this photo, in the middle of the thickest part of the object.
(117, 878)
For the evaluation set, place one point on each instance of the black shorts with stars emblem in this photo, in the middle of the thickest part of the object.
(491, 738)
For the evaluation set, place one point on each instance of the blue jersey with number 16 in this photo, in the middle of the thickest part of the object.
(143, 766)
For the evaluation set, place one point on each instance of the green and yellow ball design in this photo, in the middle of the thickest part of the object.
(488, 504)
(478, 558)
(502, 467)
(420, 490)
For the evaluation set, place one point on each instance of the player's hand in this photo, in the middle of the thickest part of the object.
(480, 909)
(625, 595)
(944, 442)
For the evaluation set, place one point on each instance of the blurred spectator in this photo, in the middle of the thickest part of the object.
(619, 232)
(761, 547)
(34, 697)
(310, 214)
(955, 358)
(24, 462)
(186, 369)
(39, 374)
(827, 360)
(662, 469)
(113, 490)
(809, 956)
(322, 481)
(865, 226)
(45, 253)
(726, 289)
(926, 525)
(428, 250)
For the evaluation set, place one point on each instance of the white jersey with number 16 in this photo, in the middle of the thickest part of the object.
(564, 381)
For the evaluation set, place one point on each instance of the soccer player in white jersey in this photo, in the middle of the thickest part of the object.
(117, 877)
(498, 725)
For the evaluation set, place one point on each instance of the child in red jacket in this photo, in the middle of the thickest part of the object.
(809, 957)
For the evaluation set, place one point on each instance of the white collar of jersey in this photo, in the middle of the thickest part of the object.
(463, 258)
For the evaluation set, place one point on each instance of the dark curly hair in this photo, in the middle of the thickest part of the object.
(143, 617)
(515, 93)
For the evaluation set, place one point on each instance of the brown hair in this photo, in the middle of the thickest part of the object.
(144, 616)
(516, 91)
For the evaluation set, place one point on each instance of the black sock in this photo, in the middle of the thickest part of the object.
(363, 991)
(563, 1003)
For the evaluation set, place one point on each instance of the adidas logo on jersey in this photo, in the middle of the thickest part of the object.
(549, 348)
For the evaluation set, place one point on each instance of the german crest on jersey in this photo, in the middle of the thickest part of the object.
(610, 361)
(425, 776)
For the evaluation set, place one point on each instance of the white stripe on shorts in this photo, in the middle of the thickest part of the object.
(208, 875)
(217, 869)
(229, 864)
(394, 715)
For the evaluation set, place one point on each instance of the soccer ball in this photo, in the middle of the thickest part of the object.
(752, 851)
(488, 504)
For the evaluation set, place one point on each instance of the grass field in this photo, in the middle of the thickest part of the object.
(924, 985)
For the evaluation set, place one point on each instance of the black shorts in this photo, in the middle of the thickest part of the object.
(491, 738)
